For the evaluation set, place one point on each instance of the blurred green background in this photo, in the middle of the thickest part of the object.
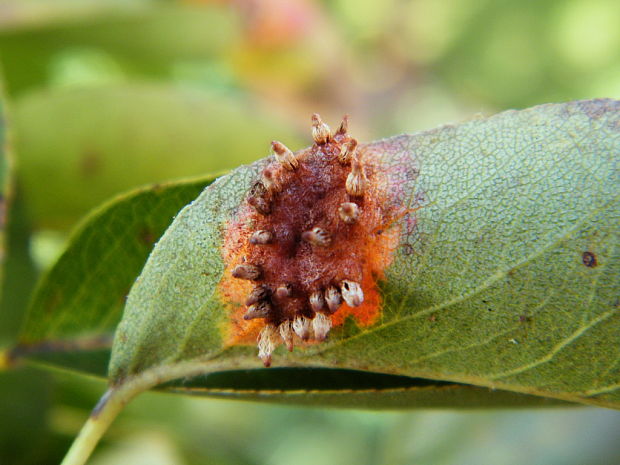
(107, 95)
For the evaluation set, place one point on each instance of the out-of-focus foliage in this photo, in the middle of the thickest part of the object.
(110, 94)
(103, 140)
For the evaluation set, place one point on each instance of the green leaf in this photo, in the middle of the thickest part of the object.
(141, 36)
(105, 140)
(78, 303)
(506, 277)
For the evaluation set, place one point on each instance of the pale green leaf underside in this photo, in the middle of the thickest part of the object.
(489, 286)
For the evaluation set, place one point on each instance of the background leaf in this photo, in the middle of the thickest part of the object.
(14, 269)
(511, 205)
(4, 178)
(25, 393)
(20, 277)
(79, 301)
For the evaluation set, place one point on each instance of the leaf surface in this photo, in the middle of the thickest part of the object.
(506, 275)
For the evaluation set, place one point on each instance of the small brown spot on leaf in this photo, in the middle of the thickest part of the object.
(124, 295)
(90, 163)
(589, 259)
(53, 302)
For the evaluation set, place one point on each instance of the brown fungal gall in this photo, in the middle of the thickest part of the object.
(321, 325)
(261, 205)
(267, 343)
(284, 155)
(347, 152)
(283, 291)
(344, 127)
(259, 293)
(249, 272)
(352, 293)
(258, 310)
(317, 236)
(260, 198)
(324, 248)
(349, 212)
(320, 130)
(301, 327)
(270, 180)
(356, 179)
(317, 302)
(261, 237)
(333, 298)
(286, 333)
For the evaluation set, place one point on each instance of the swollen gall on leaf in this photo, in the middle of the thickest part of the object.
(304, 271)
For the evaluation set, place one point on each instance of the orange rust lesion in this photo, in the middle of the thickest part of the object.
(378, 254)
(314, 248)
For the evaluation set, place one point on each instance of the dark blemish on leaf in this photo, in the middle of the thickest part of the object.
(589, 259)
(146, 236)
(123, 297)
(407, 249)
(53, 302)
(90, 163)
(595, 109)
